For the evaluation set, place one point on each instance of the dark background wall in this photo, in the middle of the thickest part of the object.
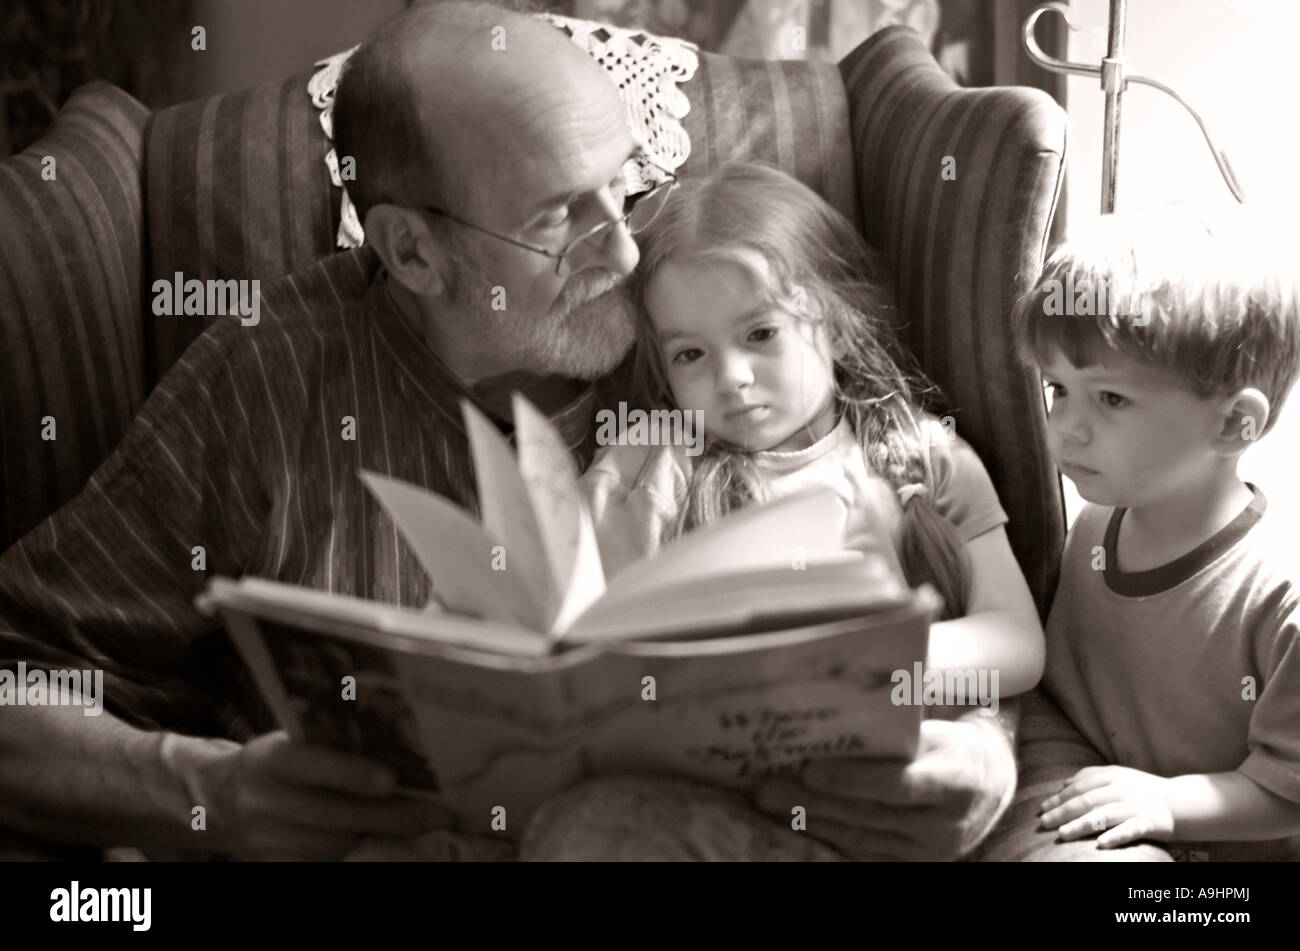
(50, 47)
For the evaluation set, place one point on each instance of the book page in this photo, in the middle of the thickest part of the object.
(807, 526)
(456, 553)
(551, 479)
(371, 622)
(508, 514)
(848, 584)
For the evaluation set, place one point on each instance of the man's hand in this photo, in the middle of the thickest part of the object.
(1122, 804)
(936, 807)
(277, 798)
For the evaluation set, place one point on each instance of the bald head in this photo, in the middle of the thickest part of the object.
(518, 140)
(451, 100)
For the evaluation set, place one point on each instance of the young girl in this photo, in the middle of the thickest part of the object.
(762, 309)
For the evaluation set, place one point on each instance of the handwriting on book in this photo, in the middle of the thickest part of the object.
(766, 720)
(765, 741)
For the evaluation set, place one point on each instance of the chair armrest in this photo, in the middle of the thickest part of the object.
(1049, 750)
(957, 188)
(237, 188)
(71, 266)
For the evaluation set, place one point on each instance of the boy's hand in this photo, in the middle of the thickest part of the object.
(1122, 804)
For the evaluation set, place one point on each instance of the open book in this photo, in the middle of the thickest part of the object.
(740, 650)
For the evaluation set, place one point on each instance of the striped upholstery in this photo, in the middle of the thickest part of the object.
(237, 188)
(789, 114)
(70, 273)
(961, 252)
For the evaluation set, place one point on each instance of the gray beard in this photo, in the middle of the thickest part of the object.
(594, 327)
(584, 335)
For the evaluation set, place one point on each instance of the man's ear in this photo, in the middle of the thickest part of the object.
(411, 251)
(1243, 416)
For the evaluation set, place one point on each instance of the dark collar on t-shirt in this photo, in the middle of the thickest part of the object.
(445, 390)
(1137, 584)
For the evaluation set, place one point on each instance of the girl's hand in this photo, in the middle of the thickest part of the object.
(1122, 804)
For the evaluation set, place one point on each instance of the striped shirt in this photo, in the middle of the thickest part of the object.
(249, 450)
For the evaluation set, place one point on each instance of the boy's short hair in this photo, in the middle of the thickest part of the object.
(1213, 307)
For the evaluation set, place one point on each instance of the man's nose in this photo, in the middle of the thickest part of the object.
(614, 248)
(618, 251)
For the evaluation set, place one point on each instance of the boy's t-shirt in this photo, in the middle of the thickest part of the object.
(1192, 667)
(636, 491)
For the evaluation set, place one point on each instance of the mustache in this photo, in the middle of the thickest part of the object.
(587, 285)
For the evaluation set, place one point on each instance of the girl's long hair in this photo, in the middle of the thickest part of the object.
(815, 257)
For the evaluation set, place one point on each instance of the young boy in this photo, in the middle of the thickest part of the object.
(1173, 643)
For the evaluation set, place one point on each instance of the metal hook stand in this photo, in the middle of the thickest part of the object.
(1115, 78)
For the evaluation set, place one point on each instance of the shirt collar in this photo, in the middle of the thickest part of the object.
(784, 461)
(1136, 584)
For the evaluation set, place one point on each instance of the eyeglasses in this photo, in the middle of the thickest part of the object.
(638, 211)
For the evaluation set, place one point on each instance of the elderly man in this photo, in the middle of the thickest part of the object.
(488, 181)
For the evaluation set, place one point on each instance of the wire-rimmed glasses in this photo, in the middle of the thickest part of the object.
(638, 211)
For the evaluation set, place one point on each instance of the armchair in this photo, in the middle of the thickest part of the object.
(956, 187)
(234, 186)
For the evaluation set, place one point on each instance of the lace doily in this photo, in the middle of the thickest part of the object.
(321, 88)
(645, 68)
